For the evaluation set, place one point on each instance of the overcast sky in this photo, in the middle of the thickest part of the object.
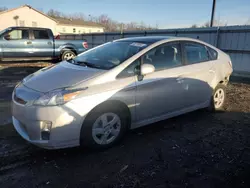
(164, 13)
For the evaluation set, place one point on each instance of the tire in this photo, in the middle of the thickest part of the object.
(218, 98)
(94, 121)
(68, 54)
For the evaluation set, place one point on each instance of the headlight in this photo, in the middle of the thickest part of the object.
(57, 97)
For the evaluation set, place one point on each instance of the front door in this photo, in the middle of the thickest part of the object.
(17, 44)
(42, 43)
(162, 91)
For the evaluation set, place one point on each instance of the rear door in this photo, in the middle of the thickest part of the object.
(17, 44)
(43, 43)
(199, 71)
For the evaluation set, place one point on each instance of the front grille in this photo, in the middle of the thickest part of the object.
(19, 100)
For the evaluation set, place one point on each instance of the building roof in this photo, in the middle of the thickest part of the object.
(9, 10)
(76, 22)
(63, 21)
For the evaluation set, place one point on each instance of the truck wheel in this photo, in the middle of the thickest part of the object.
(68, 54)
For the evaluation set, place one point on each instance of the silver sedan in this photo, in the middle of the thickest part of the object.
(96, 97)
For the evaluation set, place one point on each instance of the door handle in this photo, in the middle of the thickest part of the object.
(49, 43)
(211, 71)
(180, 79)
(28, 42)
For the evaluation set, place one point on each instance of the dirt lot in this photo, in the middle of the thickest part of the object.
(199, 149)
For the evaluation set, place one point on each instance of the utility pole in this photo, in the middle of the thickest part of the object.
(212, 15)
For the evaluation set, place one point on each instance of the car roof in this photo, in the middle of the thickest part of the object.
(146, 39)
(18, 27)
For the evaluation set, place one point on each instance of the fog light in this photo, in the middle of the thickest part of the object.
(45, 129)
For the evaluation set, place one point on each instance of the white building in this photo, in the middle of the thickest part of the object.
(30, 17)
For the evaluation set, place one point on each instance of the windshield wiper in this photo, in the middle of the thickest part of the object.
(84, 63)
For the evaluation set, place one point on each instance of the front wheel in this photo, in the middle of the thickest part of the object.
(103, 128)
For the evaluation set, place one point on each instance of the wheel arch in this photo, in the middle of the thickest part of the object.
(106, 104)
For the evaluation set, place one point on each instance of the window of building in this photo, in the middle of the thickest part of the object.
(164, 56)
(21, 22)
(34, 24)
(18, 34)
(74, 30)
(64, 30)
(41, 34)
(195, 53)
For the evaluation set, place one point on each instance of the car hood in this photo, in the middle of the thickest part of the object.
(58, 76)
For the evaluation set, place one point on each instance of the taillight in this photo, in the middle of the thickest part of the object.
(85, 45)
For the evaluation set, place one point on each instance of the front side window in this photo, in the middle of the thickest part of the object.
(41, 34)
(109, 55)
(17, 34)
(195, 53)
(130, 70)
(164, 56)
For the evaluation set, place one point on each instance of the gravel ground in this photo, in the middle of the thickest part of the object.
(199, 149)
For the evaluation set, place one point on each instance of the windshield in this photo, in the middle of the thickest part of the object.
(3, 31)
(109, 55)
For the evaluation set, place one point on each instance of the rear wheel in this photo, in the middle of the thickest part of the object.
(219, 98)
(68, 54)
(103, 128)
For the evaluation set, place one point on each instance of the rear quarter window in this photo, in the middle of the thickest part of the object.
(213, 53)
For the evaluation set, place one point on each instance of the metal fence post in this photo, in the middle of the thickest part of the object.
(217, 37)
(105, 37)
(92, 40)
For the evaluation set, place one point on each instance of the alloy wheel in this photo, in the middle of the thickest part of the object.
(219, 98)
(106, 128)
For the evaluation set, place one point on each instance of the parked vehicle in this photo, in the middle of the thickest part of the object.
(118, 86)
(27, 43)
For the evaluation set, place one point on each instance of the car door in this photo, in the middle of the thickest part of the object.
(199, 73)
(17, 44)
(42, 43)
(162, 91)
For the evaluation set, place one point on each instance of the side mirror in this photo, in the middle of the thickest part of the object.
(147, 68)
(7, 37)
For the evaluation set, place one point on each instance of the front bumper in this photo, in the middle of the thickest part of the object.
(65, 130)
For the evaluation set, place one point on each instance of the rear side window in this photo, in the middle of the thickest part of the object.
(213, 53)
(41, 34)
(195, 53)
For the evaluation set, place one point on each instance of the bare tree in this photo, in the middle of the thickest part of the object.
(194, 26)
(248, 21)
(3, 9)
(104, 20)
(16, 19)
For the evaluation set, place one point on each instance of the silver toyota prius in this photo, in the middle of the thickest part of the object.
(95, 98)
